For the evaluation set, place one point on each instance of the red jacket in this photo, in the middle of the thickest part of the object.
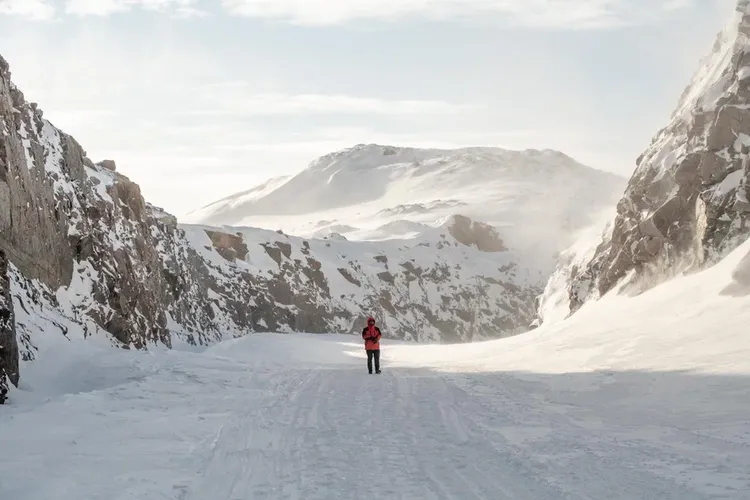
(372, 335)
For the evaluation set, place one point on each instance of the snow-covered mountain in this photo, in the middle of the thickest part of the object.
(632, 397)
(85, 252)
(687, 204)
(535, 198)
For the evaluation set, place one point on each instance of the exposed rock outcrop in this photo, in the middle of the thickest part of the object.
(32, 219)
(108, 165)
(477, 234)
(229, 246)
(687, 202)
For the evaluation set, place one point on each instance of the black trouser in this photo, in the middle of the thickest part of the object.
(374, 353)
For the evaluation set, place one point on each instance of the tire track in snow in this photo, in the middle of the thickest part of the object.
(343, 434)
(240, 451)
(560, 442)
(411, 434)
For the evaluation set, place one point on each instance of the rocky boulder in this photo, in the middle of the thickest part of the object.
(108, 165)
(229, 246)
(471, 233)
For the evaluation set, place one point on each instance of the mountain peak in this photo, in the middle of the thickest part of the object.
(365, 156)
(397, 175)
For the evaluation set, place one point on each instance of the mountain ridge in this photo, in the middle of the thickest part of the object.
(404, 161)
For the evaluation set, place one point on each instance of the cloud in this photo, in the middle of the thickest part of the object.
(231, 100)
(47, 9)
(559, 14)
(536, 13)
(34, 9)
(109, 7)
(94, 7)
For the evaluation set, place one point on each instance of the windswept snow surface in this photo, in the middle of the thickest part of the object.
(631, 398)
(375, 192)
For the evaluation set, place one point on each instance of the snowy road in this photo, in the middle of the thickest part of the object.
(271, 417)
(331, 434)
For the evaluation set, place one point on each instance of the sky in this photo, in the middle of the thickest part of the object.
(198, 99)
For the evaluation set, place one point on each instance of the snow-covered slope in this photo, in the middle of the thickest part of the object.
(686, 204)
(372, 192)
(249, 196)
(631, 398)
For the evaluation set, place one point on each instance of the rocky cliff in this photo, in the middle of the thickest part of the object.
(8, 343)
(88, 257)
(687, 202)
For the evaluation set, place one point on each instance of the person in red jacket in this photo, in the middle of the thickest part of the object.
(371, 334)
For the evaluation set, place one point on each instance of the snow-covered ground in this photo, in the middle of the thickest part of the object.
(631, 398)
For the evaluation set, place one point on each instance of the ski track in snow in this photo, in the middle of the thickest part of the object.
(203, 427)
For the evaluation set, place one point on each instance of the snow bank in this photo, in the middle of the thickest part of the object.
(689, 323)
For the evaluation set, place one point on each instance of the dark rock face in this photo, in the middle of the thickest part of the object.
(229, 246)
(471, 233)
(32, 218)
(687, 202)
(8, 343)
